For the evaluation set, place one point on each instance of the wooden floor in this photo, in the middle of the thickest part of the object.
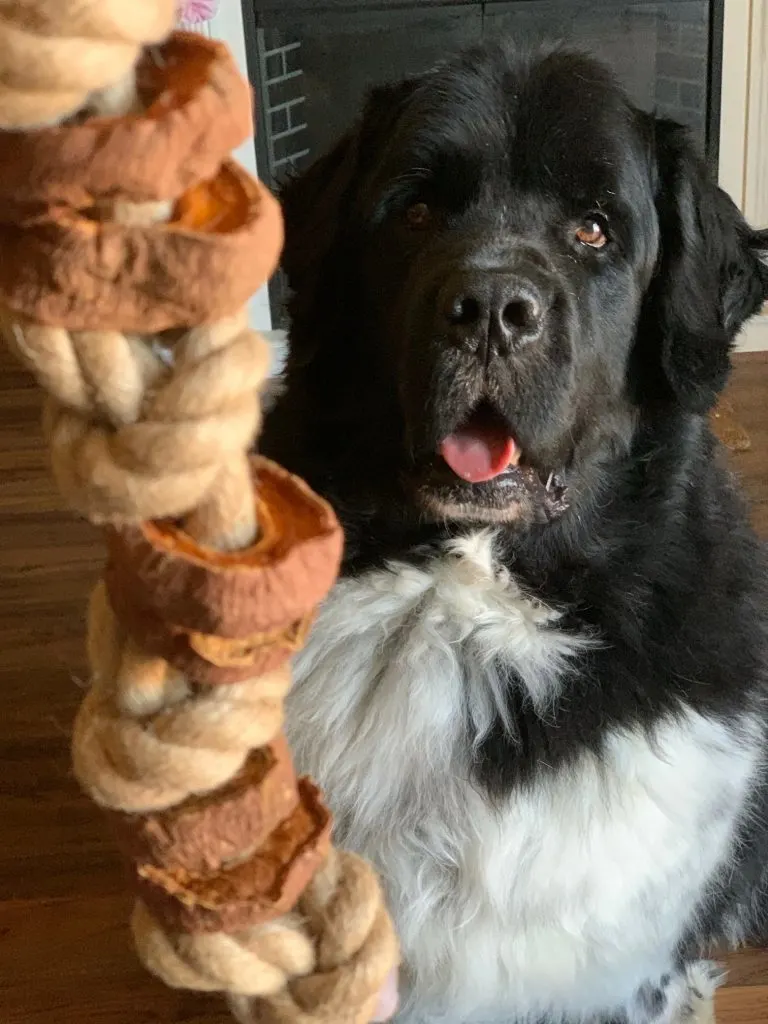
(64, 949)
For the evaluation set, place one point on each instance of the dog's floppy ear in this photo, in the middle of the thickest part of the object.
(711, 275)
(312, 206)
(316, 202)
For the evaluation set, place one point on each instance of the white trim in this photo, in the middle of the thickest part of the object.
(743, 167)
(735, 98)
(756, 168)
(754, 337)
(227, 25)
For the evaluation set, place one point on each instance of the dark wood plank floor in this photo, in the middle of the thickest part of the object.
(64, 947)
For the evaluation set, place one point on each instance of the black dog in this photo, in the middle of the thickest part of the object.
(536, 699)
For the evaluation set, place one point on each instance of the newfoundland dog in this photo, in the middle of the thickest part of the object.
(536, 698)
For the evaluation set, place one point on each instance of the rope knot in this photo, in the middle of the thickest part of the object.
(55, 58)
(151, 422)
(133, 438)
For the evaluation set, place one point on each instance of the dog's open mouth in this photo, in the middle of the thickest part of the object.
(481, 473)
(481, 448)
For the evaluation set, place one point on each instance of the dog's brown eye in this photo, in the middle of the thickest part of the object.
(592, 233)
(418, 215)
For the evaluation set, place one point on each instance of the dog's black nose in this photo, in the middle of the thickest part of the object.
(493, 311)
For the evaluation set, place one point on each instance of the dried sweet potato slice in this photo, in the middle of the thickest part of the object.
(66, 268)
(205, 832)
(271, 585)
(258, 890)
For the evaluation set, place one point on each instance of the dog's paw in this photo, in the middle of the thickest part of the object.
(684, 997)
(702, 980)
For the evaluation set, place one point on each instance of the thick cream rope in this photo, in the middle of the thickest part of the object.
(56, 57)
(188, 447)
(192, 744)
(134, 435)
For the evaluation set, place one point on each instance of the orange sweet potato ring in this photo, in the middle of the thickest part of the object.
(64, 267)
(205, 832)
(249, 893)
(226, 616)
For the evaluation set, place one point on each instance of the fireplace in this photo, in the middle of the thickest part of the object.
(312, 61)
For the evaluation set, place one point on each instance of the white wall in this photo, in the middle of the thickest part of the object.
(227, 25)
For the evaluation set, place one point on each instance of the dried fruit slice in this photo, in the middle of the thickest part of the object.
(205, 832)
(258, 890)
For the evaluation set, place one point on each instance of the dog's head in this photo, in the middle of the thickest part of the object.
(497, 271)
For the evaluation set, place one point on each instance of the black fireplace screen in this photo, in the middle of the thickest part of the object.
(312, 61)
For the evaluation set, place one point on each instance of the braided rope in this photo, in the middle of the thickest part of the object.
(159, 427)
(130, 761)
(145, 738)
(57, 57)
(252, 964)
(278, 964)
(188, 448)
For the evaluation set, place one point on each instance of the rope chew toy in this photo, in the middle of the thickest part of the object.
(130, 246)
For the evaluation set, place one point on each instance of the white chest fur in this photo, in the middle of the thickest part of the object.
(571, 893)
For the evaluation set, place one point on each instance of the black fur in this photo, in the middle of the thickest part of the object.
(655, 554)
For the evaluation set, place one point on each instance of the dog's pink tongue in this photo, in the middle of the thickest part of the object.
(480, 450)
